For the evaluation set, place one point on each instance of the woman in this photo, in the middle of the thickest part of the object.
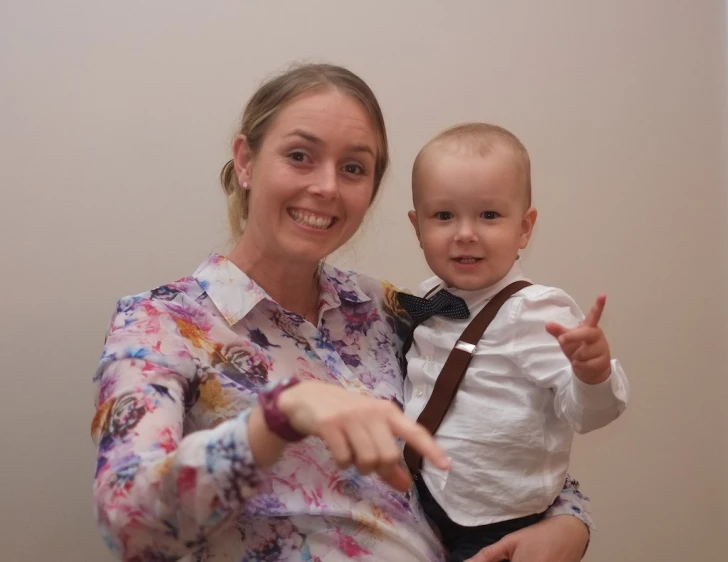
(251, 411)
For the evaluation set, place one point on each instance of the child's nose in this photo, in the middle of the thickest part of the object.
(466, 232)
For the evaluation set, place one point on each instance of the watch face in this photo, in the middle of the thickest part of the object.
(276, 420)
(269, 393)
(270, 386)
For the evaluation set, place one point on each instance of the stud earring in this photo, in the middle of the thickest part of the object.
(245, 185)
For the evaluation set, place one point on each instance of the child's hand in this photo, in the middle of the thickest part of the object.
(586, 346)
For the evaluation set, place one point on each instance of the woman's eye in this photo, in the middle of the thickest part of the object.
(489, 215)
(297, 156)
(354, 169)
(443, 215)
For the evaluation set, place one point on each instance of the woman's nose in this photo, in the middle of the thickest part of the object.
(325, 183)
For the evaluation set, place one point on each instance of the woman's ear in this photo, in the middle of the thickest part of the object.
(527, 224)
(243, 160)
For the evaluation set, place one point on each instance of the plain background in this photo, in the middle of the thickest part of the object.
(115, 120)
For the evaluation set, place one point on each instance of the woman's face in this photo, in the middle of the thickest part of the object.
(312, 180)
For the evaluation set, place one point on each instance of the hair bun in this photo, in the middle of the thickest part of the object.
(228, 181)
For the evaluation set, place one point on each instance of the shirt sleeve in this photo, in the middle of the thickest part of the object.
(572, 502)
(159, 495)
(583, 406)
(401, 323)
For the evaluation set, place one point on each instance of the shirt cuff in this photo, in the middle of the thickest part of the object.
(221, 471)
(572, 502)
(602, 395)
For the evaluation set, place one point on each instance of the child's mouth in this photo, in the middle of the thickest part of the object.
(467, 260)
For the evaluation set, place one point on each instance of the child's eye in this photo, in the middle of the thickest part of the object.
(489, 215)
(443, 215)
(354, 169)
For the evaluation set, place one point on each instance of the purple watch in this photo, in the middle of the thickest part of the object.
(276, 420)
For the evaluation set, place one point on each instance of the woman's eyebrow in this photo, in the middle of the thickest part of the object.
(310, 137)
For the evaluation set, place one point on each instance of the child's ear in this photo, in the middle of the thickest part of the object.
(527, 224)
(413, 219)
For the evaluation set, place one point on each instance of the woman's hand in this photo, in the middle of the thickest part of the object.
(562, 538)
(359, 430)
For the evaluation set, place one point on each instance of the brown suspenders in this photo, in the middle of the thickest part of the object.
(452, 373)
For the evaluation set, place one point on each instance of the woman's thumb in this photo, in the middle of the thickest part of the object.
(502, 550)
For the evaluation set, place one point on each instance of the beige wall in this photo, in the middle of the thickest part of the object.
(724, 259)
(115, 119)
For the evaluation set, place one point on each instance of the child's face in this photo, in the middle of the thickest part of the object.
(471, 216)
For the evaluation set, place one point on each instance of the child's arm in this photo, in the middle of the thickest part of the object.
(590, 387)
(586, 346)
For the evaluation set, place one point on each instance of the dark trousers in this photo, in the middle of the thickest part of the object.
(463, 542)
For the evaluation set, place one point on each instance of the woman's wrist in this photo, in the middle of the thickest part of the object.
(277, 419)
(265, 445)
(292, 403)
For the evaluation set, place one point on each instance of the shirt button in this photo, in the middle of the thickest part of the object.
(426, 358)
(419, 392)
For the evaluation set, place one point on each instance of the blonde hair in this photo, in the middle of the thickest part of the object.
(480, 139)
(269, 100)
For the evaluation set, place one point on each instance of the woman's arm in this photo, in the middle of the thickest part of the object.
(563, 536)
(159, 495)
(556, 539)
(572, 502)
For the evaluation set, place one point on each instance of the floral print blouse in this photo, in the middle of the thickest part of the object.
(180, 370)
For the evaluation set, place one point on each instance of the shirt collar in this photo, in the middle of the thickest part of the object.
(338, 285)
(473, 298)
(235, 294)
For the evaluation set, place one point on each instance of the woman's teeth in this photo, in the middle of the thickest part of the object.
(466, 260)
(312, 220)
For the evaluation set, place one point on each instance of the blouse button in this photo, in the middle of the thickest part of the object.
(419, 392)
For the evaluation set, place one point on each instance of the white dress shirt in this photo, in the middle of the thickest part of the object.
(510, 427)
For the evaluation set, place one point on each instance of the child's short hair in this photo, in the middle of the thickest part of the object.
(480, 139)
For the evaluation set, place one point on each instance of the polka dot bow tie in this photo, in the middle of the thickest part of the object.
(442, 303)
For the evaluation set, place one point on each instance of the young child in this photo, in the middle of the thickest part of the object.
(541, 371)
